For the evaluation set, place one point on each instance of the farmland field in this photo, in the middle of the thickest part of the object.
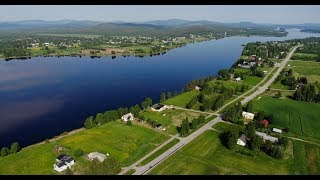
(206, 155)
(302, 118)
(126, 143)
(182, 99)
(310, 69)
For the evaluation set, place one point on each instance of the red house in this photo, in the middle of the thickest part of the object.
(264, 122)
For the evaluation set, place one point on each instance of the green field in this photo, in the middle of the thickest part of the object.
(276, 60)
(310, 69)
(206, 155)
(302, 118)
(279, 85)
(126, 143)
(159, 152)
(252, 80)
(172, 118)
(221, 126)
(182, 99)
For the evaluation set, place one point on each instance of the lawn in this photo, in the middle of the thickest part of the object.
(279, 85)
(126, 143)
(206, 155)
(300, 117)
(172, 118)
(182, 99)
(221, 126)
(276, 60)
(310, 69)
(159, 152)
(251, 80)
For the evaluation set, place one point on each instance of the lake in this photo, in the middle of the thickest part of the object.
(44, 96)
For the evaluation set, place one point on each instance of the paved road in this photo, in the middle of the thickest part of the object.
(266, 85)
(183, 141)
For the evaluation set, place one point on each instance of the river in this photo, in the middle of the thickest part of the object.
(44, 96)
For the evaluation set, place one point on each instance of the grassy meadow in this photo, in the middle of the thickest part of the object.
(126, 143)
(206, 155)
(182, 100)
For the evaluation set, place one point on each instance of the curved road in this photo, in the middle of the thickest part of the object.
(183, 141)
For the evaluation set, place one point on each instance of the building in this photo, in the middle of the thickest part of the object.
(197, 88)
(63, 162)
(267, 137)
(158, 107)
(277, 130)
(253, 58)
(158, 126)
(265, 72)
(247, 115)
(96, 155)
(127, 117)
(242, 141)
(238, 79)
(264, 122)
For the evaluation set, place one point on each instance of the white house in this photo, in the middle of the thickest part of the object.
(242, 141)
(127, 117)
(238, 79)
(63, 162)
(46, 44)
(277, 130)
(197, 88)
(265, 72)
(247, 115)
(96, 155)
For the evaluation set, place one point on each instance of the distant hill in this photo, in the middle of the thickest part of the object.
(42, 23)
(156, 27)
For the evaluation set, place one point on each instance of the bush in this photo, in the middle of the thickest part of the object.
(14, 148)
(78, 152)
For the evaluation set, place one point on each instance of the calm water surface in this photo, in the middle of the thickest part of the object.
(43, 97)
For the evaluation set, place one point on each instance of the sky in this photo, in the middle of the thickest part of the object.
(276, 14)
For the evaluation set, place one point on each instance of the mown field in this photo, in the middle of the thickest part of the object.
(172, 118)
(182, 99)
(206, 155)
(126, 143)
(302, 118)
(310, 69)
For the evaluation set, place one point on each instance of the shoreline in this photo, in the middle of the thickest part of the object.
(55, 138)
(93, 56)
(113, 56)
